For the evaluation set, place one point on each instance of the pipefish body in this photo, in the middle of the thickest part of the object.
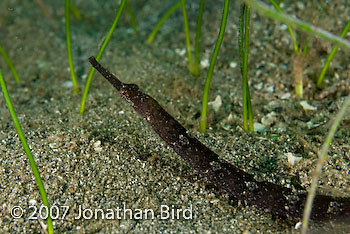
(240, 185)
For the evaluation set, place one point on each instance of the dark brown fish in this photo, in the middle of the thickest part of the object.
(240, 185)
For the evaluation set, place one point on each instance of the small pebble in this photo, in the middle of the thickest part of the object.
(97, 144)
(306, 106)
(53, 145)
(32, 202)
(229, 118)
(311, 125)
(336, 75)
(259, 86)
(270, 88)
(97, 147)
(258, 127)
(180, 52)
(204, 63)
(285, 96)
(67, 84)
(283, 27)
(226, 127)
(292, 159)
(269, 119)
(297, 225)
(233, 64)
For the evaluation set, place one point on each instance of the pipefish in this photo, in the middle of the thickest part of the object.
(240, 185)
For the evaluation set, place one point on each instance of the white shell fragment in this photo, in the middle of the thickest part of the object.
(233, 64)
(270, 88)
(283, 27)
(67, 84)
(298, 225)
(53, 145)
(180, 52)
(97, 146)
(258, 127)
(306, 106)
(269, 119)
(292, 159)
(205, 63)
(259, 86)
(32, 202)
(285, 96)
(229, 118)
(216, 103)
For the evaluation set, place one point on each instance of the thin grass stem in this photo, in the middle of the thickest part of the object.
(69, 48)
(203, 119)
(9, 63)
(162, 20)
(306, 47)
(132, 17)
(321, 159)
(241, 62)
(330, 57)
(28, 152)
(75, 10)
(245, 68)
(297, 70)
(240, 37)
(197, 41)
(250, 111)
(187, 33)
(243, 42)
(299, 89)
(292, 35)
(262, 8)
(99, 55)
(47, 14)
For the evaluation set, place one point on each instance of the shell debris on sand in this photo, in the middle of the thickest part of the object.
(216, 104)
(97, 146)
(306, 106)
(292, 159)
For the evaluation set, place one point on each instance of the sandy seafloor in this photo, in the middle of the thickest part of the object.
(109, 156)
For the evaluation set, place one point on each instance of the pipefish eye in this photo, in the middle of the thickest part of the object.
(123, 93)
